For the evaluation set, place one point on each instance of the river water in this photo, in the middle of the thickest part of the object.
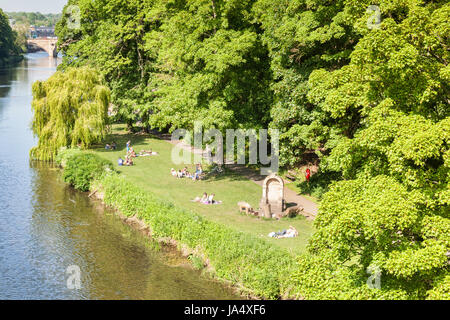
(49, 232)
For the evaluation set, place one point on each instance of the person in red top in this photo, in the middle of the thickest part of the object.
(308, 174)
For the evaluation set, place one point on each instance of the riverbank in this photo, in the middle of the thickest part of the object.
(227, 245)
(252, 266)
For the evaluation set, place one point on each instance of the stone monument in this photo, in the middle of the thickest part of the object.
(272, 201)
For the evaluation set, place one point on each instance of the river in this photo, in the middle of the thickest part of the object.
(51, 235)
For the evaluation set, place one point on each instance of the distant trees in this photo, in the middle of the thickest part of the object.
(35, 18)
(9, 50)
(70, 110)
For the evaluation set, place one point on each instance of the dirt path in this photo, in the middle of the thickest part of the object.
(310, 208)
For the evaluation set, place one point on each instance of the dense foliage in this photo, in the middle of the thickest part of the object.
(371, 103)
(169, 63)
(80, 169)
(9, 50)
(70, 109)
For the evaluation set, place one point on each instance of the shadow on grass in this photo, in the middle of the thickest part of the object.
(235, 172)
(319, 184)
(121, 141)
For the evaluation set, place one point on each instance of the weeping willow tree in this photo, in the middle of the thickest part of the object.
(70, 110)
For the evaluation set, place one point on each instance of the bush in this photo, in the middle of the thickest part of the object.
(64, 154)
(82, 168)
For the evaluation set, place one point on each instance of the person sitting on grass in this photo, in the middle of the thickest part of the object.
(107, 147)
(173, 172)
(128, 161)
(185, 172)
(120, 162)
(211, 200)
(128, 145)
(113, 145)
(132, 153)
(179, 174)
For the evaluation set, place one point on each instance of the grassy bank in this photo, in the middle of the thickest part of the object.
(254, 266)
(152, 174)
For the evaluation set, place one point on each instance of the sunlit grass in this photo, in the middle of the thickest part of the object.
(153, 174)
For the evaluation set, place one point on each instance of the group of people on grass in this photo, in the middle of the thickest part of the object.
(128, 157)
(131, 154)
(184, 173)
(112, 146)
(205, 199)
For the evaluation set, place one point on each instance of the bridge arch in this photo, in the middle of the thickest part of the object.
(48, 45)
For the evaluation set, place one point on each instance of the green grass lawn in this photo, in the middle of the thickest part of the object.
(153, 174)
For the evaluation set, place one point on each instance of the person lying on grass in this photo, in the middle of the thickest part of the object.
(147, 153)
(291, 232)
(203, 199)
(111, 146)
(206, 200)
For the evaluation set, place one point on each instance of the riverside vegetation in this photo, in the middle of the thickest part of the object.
(10, 50)
(371, 105)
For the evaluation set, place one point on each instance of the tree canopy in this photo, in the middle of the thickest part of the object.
(70, 110)
(8, 47)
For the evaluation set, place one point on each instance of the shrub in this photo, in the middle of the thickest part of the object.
(64, 154)
(82, 168)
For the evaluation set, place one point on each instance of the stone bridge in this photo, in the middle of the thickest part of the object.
(46, 44)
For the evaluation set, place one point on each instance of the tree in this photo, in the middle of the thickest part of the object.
(391, 212)
(170, 63)
(111, 39)
(303, 36)
(70, 109)
(211, 66)
(8, 48)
